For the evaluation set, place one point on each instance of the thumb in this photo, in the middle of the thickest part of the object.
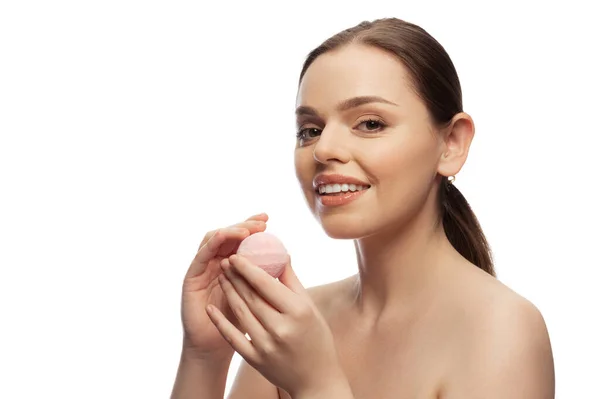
(289, 279)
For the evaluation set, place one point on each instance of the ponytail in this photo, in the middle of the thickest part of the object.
(462, 227)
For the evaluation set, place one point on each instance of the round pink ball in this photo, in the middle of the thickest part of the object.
(265, 251)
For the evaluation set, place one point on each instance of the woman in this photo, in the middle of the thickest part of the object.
(381, 133)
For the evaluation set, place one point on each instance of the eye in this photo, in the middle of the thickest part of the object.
(372, 125)
(308, 133)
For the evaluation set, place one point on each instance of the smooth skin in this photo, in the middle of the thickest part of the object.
(201, 288)
(284, 325)
(206, 355)
(417, 320)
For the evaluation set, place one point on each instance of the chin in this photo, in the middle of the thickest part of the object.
(344, 226)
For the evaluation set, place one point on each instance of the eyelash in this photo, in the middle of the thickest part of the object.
(382, 126)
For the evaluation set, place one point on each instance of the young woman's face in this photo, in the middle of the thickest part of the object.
(383, 140)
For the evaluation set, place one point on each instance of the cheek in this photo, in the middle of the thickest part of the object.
(305, 170)
(403, 170)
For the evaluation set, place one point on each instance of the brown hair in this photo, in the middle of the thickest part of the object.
(436, 82)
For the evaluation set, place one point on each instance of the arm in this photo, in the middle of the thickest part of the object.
(339, 389)
(250, 384)
(511, 357)
(198, 378)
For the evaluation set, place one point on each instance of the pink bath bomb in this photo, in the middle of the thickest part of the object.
(266, 251)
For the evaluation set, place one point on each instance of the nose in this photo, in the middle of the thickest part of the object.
(332, 145)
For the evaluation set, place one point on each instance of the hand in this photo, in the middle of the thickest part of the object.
(201, 288)
(290, 342)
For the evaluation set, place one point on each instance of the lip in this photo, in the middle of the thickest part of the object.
(337, 179)
(339, 200)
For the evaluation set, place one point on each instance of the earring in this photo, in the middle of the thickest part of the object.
(451, 179)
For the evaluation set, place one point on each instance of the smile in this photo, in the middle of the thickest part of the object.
(333, 189)
(337, 189)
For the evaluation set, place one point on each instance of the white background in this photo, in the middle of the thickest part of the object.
(130, 128)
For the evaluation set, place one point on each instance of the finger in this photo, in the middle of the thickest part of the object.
(248, 321)
(207, 237)
(254, 223)
(290, 279)
(212, 246)
(261, 217)
(266, 314)
(236, 339)
(250, 224)
(253, 226)
(253, 220)
(277, 294)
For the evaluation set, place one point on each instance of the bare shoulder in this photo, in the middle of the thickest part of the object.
(505, 348)
(326, 295)
(493, 304)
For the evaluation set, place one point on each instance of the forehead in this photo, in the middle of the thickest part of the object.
(352, 71)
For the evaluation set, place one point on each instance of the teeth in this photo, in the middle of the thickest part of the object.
(337, 188)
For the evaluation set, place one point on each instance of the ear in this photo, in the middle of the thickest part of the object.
(456, 143)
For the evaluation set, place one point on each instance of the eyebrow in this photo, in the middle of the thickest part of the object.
(345, 105)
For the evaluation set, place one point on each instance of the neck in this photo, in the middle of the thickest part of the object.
(401, 268)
